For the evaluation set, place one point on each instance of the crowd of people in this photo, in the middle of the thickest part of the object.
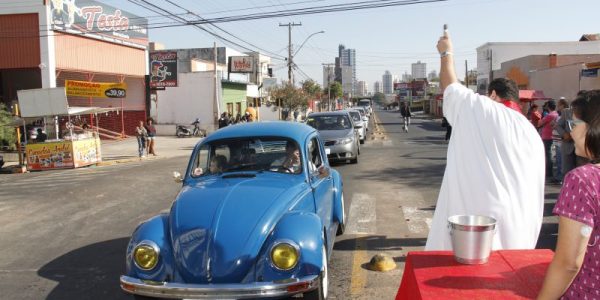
(227, 119)
(495, 167)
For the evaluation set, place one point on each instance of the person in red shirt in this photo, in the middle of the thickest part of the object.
(534, 115)
(547, 123)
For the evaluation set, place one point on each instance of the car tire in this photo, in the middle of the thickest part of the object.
(342, 226)
(322, 291)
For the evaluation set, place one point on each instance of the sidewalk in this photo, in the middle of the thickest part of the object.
(117, 152)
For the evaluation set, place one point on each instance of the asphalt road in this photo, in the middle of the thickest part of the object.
(64, 233)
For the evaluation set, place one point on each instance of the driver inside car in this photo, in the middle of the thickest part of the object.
(291, 163)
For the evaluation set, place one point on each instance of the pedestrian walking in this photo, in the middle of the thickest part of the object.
(448, 128)
(492, 163)
(546, 123)
(141, 135)
(151, 136)
(574, 272)
(406, 114)
(223, 120)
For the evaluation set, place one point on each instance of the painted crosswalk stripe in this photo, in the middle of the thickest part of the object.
(362, 218)
(418, 220)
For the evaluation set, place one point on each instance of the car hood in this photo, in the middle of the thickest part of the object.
(218, 226)
(329, 135)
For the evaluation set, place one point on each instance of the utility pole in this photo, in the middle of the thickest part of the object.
(290, 25)
(466, 74)
(329, 65)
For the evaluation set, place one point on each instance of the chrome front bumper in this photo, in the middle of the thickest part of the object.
(219, 291)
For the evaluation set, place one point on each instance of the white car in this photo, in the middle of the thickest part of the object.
(363, 114)
(357, 119)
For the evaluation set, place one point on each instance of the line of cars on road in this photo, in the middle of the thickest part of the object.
(343, 132)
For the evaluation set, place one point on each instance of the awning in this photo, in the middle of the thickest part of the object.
(531, 95)
(83, 110)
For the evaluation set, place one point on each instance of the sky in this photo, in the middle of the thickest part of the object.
(388, 38)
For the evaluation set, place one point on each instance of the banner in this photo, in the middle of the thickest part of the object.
(95, 89)
(241, 64)
(100, 21)
(46, 156)
(163, 69)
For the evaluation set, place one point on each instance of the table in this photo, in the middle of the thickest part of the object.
(509, 274)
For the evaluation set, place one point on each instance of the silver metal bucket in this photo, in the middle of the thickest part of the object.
(472, 238)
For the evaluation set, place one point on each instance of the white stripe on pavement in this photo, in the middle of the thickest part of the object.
(362, 216)
(418, 220)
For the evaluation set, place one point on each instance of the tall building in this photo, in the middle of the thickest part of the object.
(432, 75)
(377, 87)
(362, 88)
(347, 57)
(387, 82)
(328, 75)
(347, 80)
(419, 70)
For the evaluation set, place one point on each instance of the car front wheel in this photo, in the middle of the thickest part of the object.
(321, 292)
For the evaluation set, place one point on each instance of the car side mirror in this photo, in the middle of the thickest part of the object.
(323, 171)
(177, 177)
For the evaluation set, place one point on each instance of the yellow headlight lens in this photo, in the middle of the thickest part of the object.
(145, 257)
(284, 256)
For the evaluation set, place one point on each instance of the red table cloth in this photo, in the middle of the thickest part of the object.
(509, 274)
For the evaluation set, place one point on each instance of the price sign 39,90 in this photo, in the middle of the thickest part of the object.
(116, 93)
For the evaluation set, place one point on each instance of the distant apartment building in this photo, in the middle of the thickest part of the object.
(377, 87)
(347, 57)
(362, 88)
(490, 56)
(347, 80)
(406, 77)
(432, 75)
(388, 83)
(419, 70)
(328, 75)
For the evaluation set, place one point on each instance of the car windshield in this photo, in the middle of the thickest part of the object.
(332, 122)
(360, 111)
(247, 154)
(364, 103)
(355, 116)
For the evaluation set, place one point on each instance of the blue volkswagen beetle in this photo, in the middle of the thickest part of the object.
(256, 217)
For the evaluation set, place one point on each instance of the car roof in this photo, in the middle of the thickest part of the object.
(292, 130)
(330, 113)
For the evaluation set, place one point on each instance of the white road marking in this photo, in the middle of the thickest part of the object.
(419, 221)
(362, 218)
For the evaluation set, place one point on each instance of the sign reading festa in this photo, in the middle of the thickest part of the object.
(163, 69)
(241, 64)
(98, 20)
(95, 89)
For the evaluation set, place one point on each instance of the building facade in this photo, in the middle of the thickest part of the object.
(377, 87)
(419, 70)
(50, 44)
(347, 57)
(490, 56)
(362, 88)
(387, 83)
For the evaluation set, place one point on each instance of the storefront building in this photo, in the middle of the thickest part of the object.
(45, 43)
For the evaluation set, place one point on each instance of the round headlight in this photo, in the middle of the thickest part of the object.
(145, 256)
(284, 256)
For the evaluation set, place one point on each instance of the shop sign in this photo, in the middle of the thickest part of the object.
(46, 156)
(86, 152)
(241, 64)
(98, 20)
(163, 69)
(77, 88)
(400, 86)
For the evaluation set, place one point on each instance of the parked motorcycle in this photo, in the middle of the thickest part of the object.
(185, 131)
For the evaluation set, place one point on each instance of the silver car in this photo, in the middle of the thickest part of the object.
(363, 114)
(360, 124)
(342, 142)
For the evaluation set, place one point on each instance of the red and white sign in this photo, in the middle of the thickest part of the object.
(241, 64)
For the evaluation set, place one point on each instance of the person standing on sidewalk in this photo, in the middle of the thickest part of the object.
(151, 136)
(493, 164)
(546, 125)
(406, 114)
(563, 127)
(141, 135)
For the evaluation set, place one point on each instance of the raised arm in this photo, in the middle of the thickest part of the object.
(447, 72)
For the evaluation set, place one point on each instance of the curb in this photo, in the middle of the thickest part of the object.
(125, 160)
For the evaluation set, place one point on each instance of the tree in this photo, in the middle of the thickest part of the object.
(7, 133)
(336, 90)
(311, 88)
(379, 98)
(290, 98)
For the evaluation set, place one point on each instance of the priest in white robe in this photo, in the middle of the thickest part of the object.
(495, 163)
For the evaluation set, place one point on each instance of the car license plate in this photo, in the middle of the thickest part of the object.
(327, 150)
